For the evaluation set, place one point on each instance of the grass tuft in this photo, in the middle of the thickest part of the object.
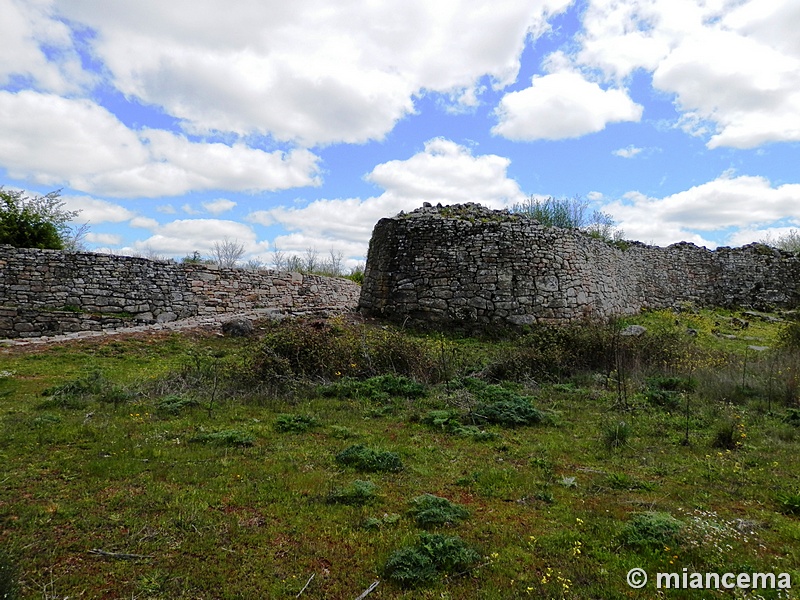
(228, 437)
(368, 460)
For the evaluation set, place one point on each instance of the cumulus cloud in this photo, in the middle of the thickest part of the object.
(104, 239)
(27, 30)
(443, 172)
(733, 68)
(218, 206)
(627, 152)
(184, 236)
(95, 211)
(729, 201)
(302, 72)
(56, 140)
(562, 105)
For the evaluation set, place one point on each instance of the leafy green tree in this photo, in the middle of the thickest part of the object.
(37, 222)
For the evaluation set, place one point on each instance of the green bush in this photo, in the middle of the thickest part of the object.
(357, 493)
(295, 423)
(378, 388)
(450, 421)
(328, 350)
(368, 460)
(430, 511)
(727, 435)
(228, 437)
(432, 556)
(34, 222)
(174, 405)
(666, 391)
(651, 530)
(553, 353)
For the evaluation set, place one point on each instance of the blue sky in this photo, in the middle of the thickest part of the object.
(289, 126)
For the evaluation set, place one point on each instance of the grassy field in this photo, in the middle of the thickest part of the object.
(321, 457)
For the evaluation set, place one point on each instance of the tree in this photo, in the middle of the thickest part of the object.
(227, 253)
(38, 221)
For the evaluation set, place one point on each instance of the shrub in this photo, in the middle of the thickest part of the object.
(510, 413)
(228, 437)
(37, 222)
(651, 530)
(295, 423)
(333, 349)
(368, 460)
(728, 435)
(77, 392)
(449, 421)
(429, 511)
(666, 391)
(792, 416)
(622, 481)
(433, 555)
(381, 387)
(91, 383)
(356, 494)
(174, 405)
(789, 503)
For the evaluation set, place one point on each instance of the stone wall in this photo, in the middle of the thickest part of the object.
(465, 264)
(48, 292)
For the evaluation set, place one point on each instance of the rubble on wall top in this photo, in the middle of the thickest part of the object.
(469, 211)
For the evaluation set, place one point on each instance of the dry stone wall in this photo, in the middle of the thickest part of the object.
(468, 265)
(49, 292)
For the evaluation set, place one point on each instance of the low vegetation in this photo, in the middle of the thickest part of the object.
(545, 463)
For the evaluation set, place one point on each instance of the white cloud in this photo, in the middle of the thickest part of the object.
(303, 71)
(143, 223)
(106, 239)
(562, 105)
(54, 139)
(26, 28)
(184, 236)
(726, 202)
(95, 211)
(166, 209)
(733, 67)
(57, 140)
(443, 172)
(218, 206)
(627, 152)
(768, 235)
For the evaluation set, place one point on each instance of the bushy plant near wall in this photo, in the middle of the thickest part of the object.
(37, 221)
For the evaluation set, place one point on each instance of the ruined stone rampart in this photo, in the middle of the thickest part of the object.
(465, 264)
(48, 292)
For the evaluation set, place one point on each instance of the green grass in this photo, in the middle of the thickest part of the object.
(559, 509)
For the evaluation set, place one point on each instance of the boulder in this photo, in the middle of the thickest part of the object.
(238, 327)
